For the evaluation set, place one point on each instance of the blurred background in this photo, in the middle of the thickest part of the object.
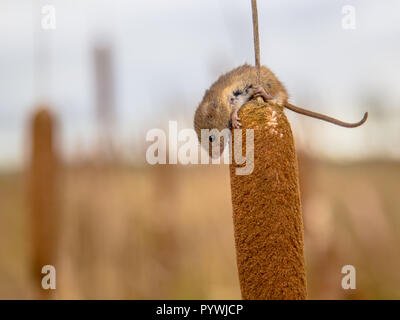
(82, 82)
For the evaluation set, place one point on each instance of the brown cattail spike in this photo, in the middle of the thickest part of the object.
(43, 202)
(267, 214)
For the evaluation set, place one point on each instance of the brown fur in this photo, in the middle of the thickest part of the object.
(214, 111)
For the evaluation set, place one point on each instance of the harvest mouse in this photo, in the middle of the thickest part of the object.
(221, 103)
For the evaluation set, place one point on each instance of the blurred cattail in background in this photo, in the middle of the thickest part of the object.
(105, 104)
(43, 199)
(164, 236)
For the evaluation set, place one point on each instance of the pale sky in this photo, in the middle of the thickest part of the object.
(166, 53)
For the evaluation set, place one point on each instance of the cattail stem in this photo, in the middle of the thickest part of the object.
(267, 214)
(256, 35)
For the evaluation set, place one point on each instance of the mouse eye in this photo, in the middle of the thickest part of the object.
(211, 138)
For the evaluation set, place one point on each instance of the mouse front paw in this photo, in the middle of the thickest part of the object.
(236, 121)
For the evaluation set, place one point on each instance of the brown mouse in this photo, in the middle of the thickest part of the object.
(221, 103)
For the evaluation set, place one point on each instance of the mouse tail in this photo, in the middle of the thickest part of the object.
(326, 118)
